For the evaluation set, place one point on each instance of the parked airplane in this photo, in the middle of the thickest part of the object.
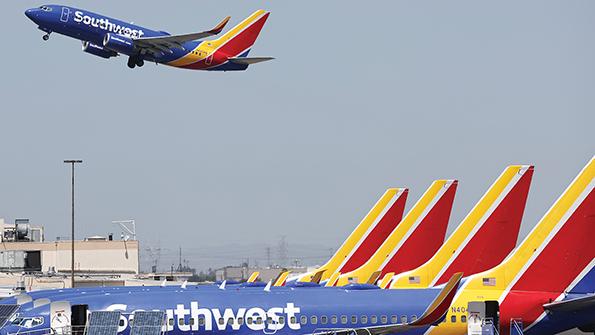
(470, 248)
(248, 310)
(107, 37)
(413, 241)
(547, 285)
(375, 227)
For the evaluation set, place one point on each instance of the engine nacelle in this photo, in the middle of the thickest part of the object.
(118, 43)
(98, 50)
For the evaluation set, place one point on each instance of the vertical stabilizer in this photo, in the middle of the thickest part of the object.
(370, 233)
(415, 239)
(470, 248)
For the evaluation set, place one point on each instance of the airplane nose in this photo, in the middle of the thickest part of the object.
(30, 13)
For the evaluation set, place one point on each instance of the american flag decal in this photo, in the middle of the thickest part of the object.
(490, 281)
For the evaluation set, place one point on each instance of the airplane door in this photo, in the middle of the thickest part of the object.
(209, 59)
(65, 14)
(60, 316)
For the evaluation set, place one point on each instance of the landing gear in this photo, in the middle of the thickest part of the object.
(134, 61)
(46, 37)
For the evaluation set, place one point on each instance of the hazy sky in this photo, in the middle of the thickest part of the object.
(359, 99)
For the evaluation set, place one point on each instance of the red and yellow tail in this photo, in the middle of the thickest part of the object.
(238, 41)
(471, 248)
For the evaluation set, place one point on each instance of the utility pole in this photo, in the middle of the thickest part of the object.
(72, 162)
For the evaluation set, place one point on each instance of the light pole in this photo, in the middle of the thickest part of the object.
(72, 162)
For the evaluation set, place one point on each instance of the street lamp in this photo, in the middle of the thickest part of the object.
(72, 162)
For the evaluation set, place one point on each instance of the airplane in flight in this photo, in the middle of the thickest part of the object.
(107, 37)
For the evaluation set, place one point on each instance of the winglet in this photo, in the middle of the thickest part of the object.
(163, 283)
(439, 307)
(184, 284)
(253, 277)
(222, 286)
(268, 287)
(219, 28)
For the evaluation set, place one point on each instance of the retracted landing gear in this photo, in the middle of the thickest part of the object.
(46, 37)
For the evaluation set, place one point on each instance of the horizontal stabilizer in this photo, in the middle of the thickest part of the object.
(571, 305)
(281, 279)
(249, 60)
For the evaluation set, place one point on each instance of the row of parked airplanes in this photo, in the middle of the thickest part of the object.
(393, 274)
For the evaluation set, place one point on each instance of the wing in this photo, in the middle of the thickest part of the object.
(571, 305)
(163, 44)
(434, 314)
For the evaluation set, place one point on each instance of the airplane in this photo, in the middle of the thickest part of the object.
(547, 284)
(378, 223)
(356, 309)
(567, 230)
(107, 37)
(418, 236)
(470, 249)
(374, 228)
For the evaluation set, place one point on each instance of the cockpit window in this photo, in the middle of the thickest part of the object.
(45, 8)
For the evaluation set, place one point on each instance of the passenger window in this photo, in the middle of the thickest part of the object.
(323, 319)
(413, 318)
(293, 320)
(180, 321)
(201, 320)
(259, 320)
(394, 319)
(353, 319)
(192, 321)
(249, 321)
(344, 319)
(281, 320)
(171, 322)
(303, 319)
(313, 320)
(453, 319)
(364, 319)
(403, 318)
(463, 318)
(374, 319)
(221, 321)
(230, 321)
(240, 321)
(334, 319)
(270, 320)
(383, 319)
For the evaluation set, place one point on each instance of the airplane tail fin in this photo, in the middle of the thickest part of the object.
(368, 235)
(385, 281)
(238, 41)
(556, 257)
(333, 279)
(470, 248)
(281, 278)
(253, 277)
(558, 254)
